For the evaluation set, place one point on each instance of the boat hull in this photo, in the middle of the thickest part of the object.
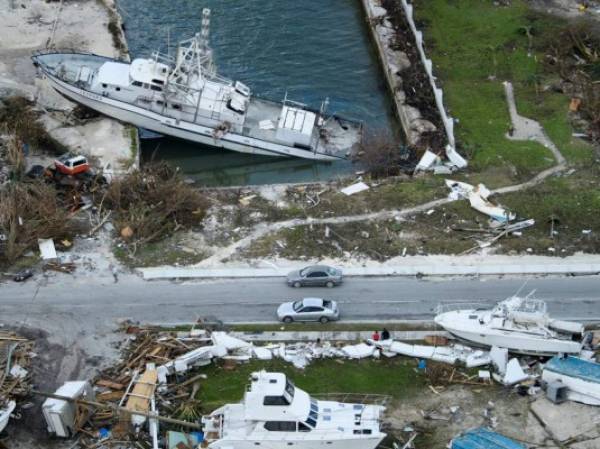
(283, 443)
(518, 344)
(152, 121)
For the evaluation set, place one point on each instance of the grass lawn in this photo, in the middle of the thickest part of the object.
(475, 46)
(395, 377)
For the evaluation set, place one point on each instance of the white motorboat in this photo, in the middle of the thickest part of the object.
(275, 414)
(5, 413)
(520, 324)
(184, 97)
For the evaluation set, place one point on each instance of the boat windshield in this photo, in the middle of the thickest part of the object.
(313, 414)
(290, 388)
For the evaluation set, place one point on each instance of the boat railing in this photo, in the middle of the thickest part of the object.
(354, 398)
(452, 307)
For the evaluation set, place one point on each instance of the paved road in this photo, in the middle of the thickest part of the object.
(373, 299)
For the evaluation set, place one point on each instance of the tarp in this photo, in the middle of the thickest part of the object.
(575, 367)
(483, 438)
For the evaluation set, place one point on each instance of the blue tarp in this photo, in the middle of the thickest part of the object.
(483, 438)
(575, 367)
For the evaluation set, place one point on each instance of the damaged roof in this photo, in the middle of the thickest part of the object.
(575, 367)
(483, 438)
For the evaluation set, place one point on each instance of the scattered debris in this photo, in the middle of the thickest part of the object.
(47, 249)
(16, 353)
(354, 188)
(63, 418)
(478, 197)
(471, 358)
(513, 375)
(581, 377)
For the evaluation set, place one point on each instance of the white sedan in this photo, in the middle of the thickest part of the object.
(308, 309)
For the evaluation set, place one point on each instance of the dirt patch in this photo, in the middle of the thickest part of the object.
(438, 417)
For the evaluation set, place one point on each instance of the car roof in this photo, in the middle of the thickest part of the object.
(318, 267)
(312, 302)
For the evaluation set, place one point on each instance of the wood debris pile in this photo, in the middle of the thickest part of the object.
(16, 353)
(132, 383)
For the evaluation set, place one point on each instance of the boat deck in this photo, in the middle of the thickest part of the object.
(336, 137)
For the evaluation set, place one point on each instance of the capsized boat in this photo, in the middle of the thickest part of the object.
(183, 96)
(275, 414)
(520, 324)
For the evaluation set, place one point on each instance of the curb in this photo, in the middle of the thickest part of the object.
(582, 269)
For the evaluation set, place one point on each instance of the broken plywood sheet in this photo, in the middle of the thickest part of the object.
(229, 342)
(140, 397)
(354, 188)
(47, 249)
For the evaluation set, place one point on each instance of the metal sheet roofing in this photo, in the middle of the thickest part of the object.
(575, 367)
(483, 438)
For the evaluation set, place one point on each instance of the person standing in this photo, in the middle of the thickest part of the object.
(385, 334)
(375, 336)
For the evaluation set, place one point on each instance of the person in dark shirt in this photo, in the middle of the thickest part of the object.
(385, 334)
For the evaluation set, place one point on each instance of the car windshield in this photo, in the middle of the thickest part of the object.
(304, 271)
(297, 305)
(331, 271)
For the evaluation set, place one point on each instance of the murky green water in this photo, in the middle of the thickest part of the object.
(311, 49)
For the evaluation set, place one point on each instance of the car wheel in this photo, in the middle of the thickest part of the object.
(287, 319)
(324, 319)
(297, 284)
(329, 284)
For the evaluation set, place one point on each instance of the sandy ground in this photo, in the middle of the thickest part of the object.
(68, 348)
(29, 26)
(532, 420)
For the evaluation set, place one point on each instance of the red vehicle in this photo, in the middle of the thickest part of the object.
(71, 165)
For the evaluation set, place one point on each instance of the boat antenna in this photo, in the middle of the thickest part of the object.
(169, 41)
(521, 288)
(205, 28)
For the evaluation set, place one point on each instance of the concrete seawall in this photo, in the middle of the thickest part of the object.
(373, 16)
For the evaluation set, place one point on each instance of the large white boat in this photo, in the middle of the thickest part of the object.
(184, 97)
(275, 414)
(519, 324)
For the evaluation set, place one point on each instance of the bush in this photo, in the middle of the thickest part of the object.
(153, 203)
(382, 155)
(28, 212)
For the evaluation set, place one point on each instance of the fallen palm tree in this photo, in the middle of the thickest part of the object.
(152, 203)
(28, 212)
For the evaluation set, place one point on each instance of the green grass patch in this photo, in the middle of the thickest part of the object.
(394, 377)
(476, 45)
(165, 252)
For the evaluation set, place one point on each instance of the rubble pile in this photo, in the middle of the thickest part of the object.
(16, 353)
(149, 398)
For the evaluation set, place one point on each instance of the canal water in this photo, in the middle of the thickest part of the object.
(310, 49)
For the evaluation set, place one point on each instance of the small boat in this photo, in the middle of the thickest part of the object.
(182, 96)
(520, 324)
(275, 414)
(5, 413)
